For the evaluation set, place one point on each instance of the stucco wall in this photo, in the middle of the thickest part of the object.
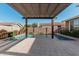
(39, 30)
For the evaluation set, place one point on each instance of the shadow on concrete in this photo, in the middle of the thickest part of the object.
(12, 41)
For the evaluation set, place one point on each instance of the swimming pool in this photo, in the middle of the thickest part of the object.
(22, 36)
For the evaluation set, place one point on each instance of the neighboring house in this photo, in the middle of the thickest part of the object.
(42, 28)
(6, 29)
(57, 25)
(46, 27)
(72, 23)
(9, 27)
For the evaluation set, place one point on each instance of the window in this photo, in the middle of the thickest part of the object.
(76, 24)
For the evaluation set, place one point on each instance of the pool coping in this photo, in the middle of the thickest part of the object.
(74, 38)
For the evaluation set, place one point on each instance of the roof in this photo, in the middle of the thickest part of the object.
(72, 18)
(55, 24)
(30, 10)
(58, 24)
(7, 24)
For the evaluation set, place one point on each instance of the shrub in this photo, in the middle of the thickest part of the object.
(66, 32)
(74, 33)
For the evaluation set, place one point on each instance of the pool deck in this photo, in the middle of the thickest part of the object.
(42, 46)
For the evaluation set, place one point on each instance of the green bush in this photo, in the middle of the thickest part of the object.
(66, 32)
(74, 33)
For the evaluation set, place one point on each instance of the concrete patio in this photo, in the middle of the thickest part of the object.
(44, 46)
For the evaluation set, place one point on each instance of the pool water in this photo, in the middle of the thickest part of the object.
(22, 36)
(30, 35)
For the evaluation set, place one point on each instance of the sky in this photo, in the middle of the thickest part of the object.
(31, 21)
(8, 14)
(69, 12)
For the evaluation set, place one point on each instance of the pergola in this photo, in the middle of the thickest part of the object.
(39, 10)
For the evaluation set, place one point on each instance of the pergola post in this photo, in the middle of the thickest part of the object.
(26, 21)
(52, 29)
(33, 31)
(46, 32)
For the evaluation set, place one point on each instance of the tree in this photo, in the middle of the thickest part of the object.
(34, 25)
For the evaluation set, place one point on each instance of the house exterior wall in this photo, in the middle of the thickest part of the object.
(45, 28)
(76, 24)
(72, 24)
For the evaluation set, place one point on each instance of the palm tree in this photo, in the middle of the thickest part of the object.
(34, 25)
